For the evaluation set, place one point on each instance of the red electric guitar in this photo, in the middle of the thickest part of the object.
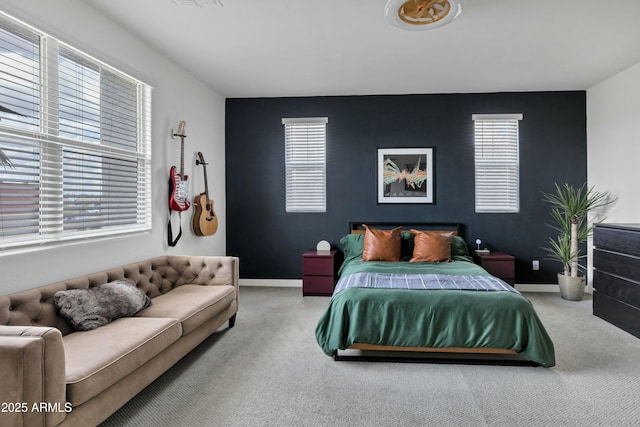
(178, 190)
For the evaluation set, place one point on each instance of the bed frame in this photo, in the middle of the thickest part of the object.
(470, 356)
(369, 352)
(457, 228)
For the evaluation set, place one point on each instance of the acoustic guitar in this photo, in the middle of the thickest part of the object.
(205, 220)
(178, 190)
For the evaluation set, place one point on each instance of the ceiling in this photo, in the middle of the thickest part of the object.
(258, 48)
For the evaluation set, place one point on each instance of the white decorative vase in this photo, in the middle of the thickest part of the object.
(571, 288)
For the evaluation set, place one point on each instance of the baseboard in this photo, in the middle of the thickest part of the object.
(275, 283)
(530, 287)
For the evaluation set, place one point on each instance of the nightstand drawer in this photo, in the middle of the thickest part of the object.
(317, 266)
(318, 285)
(503, 269)
(498, 264)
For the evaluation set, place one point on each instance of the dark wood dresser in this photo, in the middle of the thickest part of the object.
(616, 275)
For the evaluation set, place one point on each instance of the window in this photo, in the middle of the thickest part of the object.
(305, 164)
(496, 162)
(75, 143)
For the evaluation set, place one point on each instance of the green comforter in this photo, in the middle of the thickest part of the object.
(432, 318)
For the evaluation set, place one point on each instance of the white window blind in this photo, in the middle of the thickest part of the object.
(496, 163)
(75, 136)
(305, 164)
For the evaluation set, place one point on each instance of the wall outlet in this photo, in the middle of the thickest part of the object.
(535, 264)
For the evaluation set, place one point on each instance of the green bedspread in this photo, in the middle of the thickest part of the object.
(432, 318)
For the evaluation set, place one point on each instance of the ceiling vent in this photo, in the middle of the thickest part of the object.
(422, 14)
(198, 3)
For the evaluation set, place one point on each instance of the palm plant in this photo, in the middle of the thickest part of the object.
(570, 207)
(560, 250)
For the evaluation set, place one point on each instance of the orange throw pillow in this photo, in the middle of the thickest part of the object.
(431, 246)
(381, 245)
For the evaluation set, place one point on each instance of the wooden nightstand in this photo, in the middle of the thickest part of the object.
(318, 273)
(497, 264)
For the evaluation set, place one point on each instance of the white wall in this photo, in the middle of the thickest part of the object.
(613, 142)
(613, 146)
(176, 96)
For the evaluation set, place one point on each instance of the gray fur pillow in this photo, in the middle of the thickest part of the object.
(87, 309)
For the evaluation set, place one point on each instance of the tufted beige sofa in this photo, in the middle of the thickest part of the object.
(51, 375)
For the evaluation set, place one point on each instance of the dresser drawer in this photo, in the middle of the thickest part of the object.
(616, 312)
(617, 288)
(617, 264)
(617, 240)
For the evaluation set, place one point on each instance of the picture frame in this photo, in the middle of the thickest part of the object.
(406, 175)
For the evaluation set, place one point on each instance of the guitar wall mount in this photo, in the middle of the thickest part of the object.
(179, 133)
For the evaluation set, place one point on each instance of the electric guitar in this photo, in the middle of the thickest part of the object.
(205, 220)
(178, 190)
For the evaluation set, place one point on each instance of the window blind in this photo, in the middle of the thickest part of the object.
(77, 142)
(496, 163)
(305, 164)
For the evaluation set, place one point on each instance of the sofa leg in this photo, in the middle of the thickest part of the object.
(232, 321)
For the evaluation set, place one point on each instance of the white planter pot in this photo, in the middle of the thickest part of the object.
(571, 288)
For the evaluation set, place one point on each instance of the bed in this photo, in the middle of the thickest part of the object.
(414, 305)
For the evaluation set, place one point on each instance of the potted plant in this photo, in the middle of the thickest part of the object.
(570, 207)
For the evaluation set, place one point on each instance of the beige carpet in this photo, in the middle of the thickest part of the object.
(269, 371)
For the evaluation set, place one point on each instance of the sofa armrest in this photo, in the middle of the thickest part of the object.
(32, 379)
(206, 270)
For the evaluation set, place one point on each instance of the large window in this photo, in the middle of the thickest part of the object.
(305, 164)
(496, 163)
(75, 143)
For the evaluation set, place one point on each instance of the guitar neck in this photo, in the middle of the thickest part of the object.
(182, 136)
(201, 161)
(182, 156)
(206, 184)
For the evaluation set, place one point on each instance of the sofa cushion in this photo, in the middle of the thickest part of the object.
(97, 359)
(191, 304)
(87, 309)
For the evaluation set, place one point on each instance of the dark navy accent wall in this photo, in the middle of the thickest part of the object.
(270, 242)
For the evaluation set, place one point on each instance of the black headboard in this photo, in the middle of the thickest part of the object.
(453, 226)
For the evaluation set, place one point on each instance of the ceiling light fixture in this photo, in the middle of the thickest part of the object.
(422, 14)
(199, 3)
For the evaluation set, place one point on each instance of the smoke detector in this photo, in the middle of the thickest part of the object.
(198, 3)
(422, 14)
